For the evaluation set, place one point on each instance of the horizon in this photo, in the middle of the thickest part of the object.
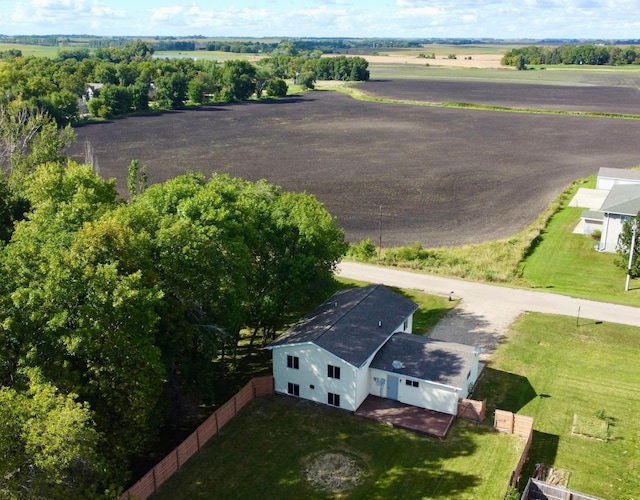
(395, 19)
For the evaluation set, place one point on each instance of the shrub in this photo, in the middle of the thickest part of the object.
(364, 251)
(277, 88)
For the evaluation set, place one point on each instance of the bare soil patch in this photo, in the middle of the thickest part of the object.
(438, 176)
(335, 472)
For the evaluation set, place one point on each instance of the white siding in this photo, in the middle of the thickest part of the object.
(312, 377)
(608, 182)
(427, 395)
(611, 228)
(362, 386)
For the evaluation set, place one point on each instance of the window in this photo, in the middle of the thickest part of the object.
(293, 389)
(334, 371)
(334, 399)
(412, 383)
(293, 362)
(406, 325)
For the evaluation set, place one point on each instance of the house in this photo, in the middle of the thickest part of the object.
(615, 199)
(622, 203)
(359, 343)
(609, 177)
(92, 90)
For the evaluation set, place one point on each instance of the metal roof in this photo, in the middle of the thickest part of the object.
(428, 359)
(352, 324)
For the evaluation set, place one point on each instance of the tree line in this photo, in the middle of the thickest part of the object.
(113, 311)
(591, 54)
(129, 79)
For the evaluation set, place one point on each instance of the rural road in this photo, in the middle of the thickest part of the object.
(484, 312)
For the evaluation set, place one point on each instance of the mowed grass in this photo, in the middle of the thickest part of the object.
(563, 262)
(263, 453)
(553, 368)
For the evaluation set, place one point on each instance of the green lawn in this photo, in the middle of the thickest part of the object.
(553, 369)
(567, 263)
(263, 453)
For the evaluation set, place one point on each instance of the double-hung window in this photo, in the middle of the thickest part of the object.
(333, 399)
(333, 371)
(293, 389)
(293, 362)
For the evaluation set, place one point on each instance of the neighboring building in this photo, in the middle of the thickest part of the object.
(358, 343)
(93, 89)
(609, 177)
(621, 191)
(622, 203)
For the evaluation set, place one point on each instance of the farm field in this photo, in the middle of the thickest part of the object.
(585, 98)
(438, 176)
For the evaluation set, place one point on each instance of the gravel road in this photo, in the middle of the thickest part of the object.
(484, 312)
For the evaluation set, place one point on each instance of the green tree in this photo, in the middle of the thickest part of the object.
(196, 91)
(307, 80)
(623, 247)
(28, 137)
(277, 88)
(238, 78)
(171, 91)
(48, 443)
(137, 178)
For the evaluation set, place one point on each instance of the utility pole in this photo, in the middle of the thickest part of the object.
(380, 232)
(634, 230)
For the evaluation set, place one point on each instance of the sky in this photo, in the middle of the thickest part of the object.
(500, 19)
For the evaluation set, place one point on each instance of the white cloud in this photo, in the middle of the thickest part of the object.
(58, 15)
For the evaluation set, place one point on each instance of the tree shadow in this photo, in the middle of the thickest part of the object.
(506, 391)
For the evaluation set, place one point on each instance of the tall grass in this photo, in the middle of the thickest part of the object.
(495, 261)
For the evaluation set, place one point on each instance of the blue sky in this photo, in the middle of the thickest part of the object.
(583, 19)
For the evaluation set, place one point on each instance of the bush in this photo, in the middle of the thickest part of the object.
(277, 88)
(365, 251)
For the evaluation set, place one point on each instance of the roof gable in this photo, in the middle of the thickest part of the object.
(423, 358)
(623, 199)
(352, 324)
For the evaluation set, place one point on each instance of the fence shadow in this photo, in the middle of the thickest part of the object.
(544, 449)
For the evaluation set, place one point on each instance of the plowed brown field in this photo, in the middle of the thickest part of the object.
(442, 176)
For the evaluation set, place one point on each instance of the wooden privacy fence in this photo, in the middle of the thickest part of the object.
(539, 490)
(522, 426)
(151, 481)
(471, 409)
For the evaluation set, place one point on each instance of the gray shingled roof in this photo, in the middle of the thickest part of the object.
(352, 324)
(623, 199)
(423, 358)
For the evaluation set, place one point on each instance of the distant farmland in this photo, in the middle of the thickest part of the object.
(439, 176)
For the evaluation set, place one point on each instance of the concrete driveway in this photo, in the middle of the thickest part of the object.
(484, 312)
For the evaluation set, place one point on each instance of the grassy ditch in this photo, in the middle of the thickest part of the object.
(545, 255)
(578, 380)
(265, 452)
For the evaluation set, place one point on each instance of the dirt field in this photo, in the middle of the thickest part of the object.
(592, 99)
(442, 176)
